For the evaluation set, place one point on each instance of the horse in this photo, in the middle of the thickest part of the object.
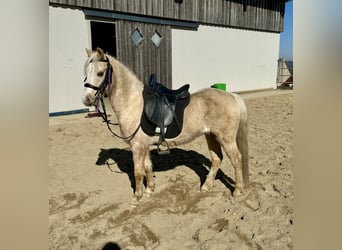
(218, 115)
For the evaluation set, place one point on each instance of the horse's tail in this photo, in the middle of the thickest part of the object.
(242, 139)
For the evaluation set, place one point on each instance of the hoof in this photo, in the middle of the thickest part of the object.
(237, 192)
(134, 202)
(149, 191)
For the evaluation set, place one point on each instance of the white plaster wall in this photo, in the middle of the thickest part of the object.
(244, 60)
(68, 38)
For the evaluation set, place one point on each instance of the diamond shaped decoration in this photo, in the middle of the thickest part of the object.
(137, 37)
(156, 38)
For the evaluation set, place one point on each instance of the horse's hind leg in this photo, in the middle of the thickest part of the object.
(149, 173)
(234, 155)
(139, 153)
(216, 159)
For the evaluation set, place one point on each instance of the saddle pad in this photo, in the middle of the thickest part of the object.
(173, 129)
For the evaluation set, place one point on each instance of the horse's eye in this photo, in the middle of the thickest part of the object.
(100, 73)
(85, 79)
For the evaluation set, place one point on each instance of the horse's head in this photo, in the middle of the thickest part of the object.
(98, 74)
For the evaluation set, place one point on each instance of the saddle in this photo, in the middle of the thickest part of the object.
(163, 110)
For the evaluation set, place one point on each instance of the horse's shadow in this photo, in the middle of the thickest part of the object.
(191, 159)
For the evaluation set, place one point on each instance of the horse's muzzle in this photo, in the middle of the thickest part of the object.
(88, 98)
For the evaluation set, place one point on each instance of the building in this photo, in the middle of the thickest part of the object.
(199, 42)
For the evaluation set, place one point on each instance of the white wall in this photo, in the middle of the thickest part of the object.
(244, 60)
(68, 38)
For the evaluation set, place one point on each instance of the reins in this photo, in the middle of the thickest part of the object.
(99, 97)
(108, 123)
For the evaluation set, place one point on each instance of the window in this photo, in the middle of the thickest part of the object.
(156, 38)
(137, 37)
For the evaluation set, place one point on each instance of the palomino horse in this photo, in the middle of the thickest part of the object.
(220, 116)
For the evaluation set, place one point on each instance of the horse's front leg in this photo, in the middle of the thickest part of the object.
(139, 153)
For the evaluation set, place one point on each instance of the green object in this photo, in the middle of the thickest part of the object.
(221, 86)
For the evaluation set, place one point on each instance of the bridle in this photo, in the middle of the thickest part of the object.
(106, 81)
(99, 97)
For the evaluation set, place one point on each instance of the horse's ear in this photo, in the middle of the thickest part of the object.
(89, 52)
(100, 53)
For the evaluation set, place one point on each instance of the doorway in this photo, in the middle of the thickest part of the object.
(103, 36)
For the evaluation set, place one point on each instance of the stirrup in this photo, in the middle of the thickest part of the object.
(163, 151)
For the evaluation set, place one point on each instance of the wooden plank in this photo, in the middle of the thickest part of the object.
(101, 4)
(118, 5)
(281, 16)
(148, 7)
(220, 17)
(175, 10)
(156, 11)
(226, 12)
(168, 8)
(251, 14)
(262, 24)
(269, 15)
(188, 10)
(257, 15)
(143, 7)
(131, 6)
(183, 10)
(202, 7)
(237, 15)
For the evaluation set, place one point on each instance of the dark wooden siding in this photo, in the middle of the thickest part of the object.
(266, 15)
(98, 4)
(145, 58)
(160, 8)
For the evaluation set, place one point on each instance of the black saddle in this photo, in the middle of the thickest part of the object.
(163, 110)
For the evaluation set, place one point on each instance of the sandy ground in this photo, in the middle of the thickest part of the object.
(90, 188)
